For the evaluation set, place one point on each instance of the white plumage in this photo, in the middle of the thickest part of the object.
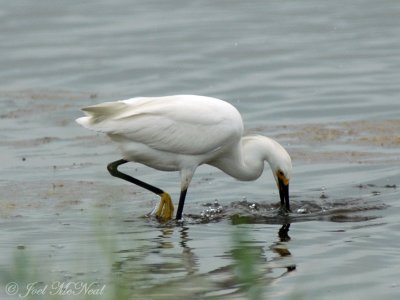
(179, 133)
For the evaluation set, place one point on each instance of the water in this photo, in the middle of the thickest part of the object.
(321, 78)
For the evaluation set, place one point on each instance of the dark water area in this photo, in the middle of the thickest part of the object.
(320, 78)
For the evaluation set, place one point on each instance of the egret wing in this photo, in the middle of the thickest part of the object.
(178, 124)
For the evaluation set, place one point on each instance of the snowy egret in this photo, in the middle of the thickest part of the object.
(179, 133)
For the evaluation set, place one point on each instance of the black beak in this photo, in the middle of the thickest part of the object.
(284, 195)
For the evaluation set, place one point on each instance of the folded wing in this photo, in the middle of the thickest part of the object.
(178, 124)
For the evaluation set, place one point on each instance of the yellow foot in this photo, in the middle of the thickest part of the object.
(165, 208)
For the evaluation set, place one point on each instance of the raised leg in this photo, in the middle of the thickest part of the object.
(165, 209)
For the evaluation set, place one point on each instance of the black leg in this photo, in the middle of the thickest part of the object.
(113, 169)
(181, 204)
(165, 208)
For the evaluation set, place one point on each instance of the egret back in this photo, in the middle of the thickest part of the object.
(182, 124)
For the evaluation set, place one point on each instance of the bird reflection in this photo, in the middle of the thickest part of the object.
(280, 247)
(167, 245)
(283, 233)
(164, 260)
(189, 259)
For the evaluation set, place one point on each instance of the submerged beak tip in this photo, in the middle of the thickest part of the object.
(284, 193)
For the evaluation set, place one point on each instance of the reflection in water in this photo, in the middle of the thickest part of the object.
(164, 239)
(173, 257)
(283, 233)
(280, 247)
(160, 255)
(252, 269)
(169, 258)
(167, 262)
(189, 259)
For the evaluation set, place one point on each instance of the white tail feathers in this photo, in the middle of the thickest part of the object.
(97, 113)
(104, 110)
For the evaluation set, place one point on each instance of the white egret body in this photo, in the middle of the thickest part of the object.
(179, 133)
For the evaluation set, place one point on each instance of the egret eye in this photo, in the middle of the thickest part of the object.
(280, 172)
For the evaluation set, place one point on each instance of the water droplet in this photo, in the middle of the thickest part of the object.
(253, 206)
(302, 210)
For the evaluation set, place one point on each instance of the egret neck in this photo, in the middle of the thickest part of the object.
(246, 162)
